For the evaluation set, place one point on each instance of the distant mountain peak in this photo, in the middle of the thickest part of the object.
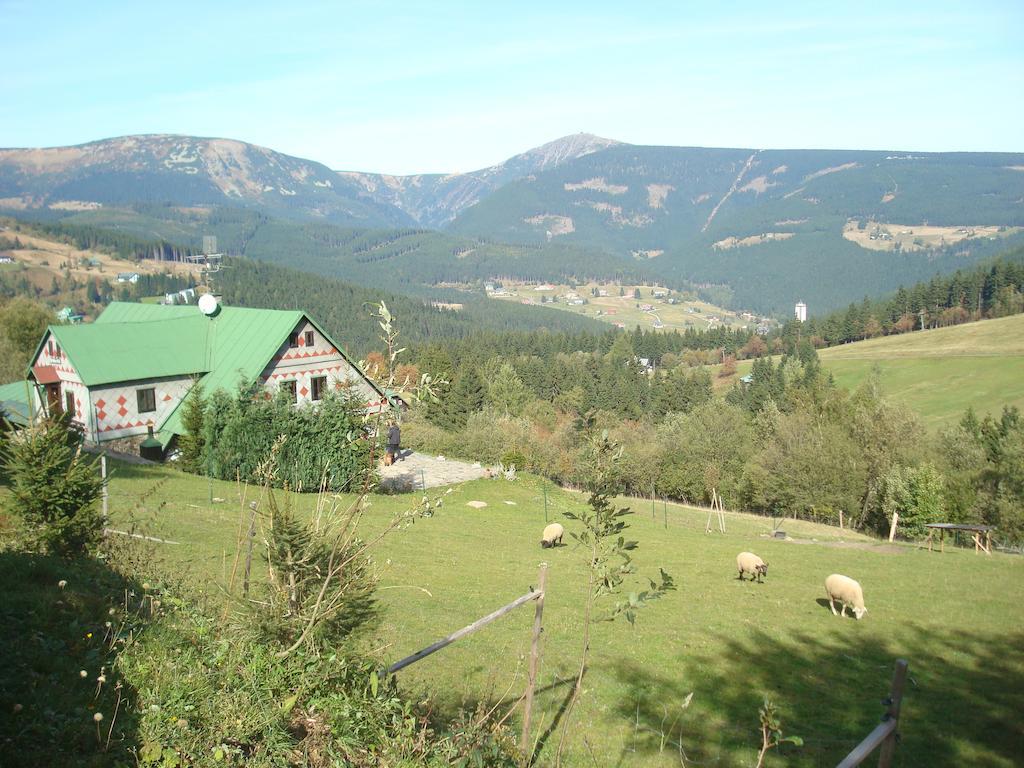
(569, 147)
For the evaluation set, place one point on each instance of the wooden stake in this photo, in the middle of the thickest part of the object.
(106, 493)
(892, 528)
(248, 554)
(524, 741)
(840, 519)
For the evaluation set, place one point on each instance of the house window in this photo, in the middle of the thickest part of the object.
(56, 350)
(309, 338)
(69, 403)
(319, 385)
(147, 400)
(293, 340)
(291, 389)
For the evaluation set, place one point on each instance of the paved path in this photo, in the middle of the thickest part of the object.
(415, 469)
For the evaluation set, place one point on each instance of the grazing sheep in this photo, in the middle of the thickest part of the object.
(552, 535)
(748, 562)
(847, 592)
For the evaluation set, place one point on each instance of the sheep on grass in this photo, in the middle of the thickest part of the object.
(552, 535)
(748, 562)
(848, 592)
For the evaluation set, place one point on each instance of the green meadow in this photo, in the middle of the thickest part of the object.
(937, 373)
(956, 617)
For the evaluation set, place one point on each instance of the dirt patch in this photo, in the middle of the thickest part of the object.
(701, 198)
(656, 194)
(553, 223)
(757, 186)
(888, 197)
(889, 549)
(780, 169)
(598, 185)
(37, 250)
(742, 242)
(826, 171)
(617, 216)
(790, 222)
(647, 254)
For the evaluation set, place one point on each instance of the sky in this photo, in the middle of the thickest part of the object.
(414, 87)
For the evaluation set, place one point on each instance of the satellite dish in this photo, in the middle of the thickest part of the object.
(208, 304)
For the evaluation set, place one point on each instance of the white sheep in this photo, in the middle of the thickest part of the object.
(847, 592)
(552, 535)
(748, 562)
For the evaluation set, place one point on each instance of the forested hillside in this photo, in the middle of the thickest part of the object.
(770, 224)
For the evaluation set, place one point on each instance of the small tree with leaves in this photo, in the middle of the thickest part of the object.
(193, 441)
(771, 732)
(54, 488)
(609, 557)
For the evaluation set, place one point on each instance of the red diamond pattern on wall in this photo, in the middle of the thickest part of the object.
(101, 414)
(303, 391)
(100, 403)
(166, 398)
(121, 400)
(122, 410)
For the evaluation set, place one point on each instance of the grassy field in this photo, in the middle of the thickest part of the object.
(937, 373)
(625, 310)
(956, 617)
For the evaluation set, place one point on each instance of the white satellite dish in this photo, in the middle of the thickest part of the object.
(208, 304)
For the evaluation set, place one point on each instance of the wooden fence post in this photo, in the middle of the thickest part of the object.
(892, 712)
(106, 493)
(542, 585)
(248, 554)
(892, 528)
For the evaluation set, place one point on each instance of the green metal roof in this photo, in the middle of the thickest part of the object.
(14, 399)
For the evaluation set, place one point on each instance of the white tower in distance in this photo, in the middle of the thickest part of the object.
(801, 311)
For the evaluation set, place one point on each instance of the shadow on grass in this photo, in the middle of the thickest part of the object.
(50, 635)
(962, 705)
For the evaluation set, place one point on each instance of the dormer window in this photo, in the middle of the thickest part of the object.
(293, 340)
(309, 338)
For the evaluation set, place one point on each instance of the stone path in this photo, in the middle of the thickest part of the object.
(415, 469)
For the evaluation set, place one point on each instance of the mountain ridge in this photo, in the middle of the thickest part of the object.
(434, 199)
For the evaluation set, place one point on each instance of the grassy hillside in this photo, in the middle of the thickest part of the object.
(726, 642)
(937, 373)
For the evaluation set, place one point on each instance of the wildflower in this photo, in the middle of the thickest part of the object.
(83, 673)
(98, 716)
(101, 679)
(88, 634)
(154, 707)
(62, 583)
(145, 585)
(108, 625)
(182, 722)
(111, 612)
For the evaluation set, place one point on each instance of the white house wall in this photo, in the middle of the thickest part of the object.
(69, 381)
(304, 362)
(115, 407)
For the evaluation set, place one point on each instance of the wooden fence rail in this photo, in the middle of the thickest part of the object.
(533, 594)
(885, 733)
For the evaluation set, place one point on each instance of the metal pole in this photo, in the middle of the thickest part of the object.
(542, 582)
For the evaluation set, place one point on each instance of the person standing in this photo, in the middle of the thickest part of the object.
(394, 441)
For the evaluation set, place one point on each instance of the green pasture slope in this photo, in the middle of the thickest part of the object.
(941, 372)
(957, 617)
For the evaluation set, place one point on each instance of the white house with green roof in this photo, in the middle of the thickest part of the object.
(132, 368)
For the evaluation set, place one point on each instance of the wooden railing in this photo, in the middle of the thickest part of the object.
(527, 699)
(885, 734)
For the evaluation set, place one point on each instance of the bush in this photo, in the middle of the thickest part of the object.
(54, 489)
(323, 445)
